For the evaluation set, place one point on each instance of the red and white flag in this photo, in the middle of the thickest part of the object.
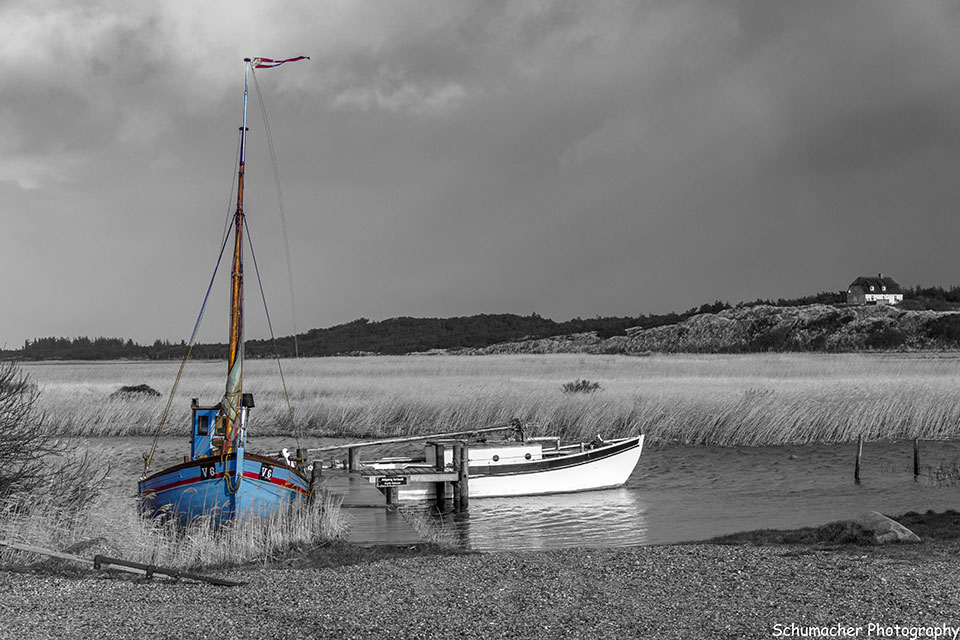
(267, 63)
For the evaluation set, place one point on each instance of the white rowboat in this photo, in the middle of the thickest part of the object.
(535, 466)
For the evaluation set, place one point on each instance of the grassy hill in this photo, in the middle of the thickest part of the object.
(816, 328)
(393, 336)
(927, 319)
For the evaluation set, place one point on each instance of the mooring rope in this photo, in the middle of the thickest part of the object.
(231, 489)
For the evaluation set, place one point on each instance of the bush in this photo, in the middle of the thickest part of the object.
(883, 337)
(34, 462)
(581, 386)
(946, 329)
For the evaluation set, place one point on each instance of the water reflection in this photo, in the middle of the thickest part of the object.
(694, 493)
(612, 517)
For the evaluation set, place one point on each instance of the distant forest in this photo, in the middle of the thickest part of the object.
(397, 336)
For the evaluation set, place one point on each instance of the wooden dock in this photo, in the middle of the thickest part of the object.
(387, 479)
(370, 522)
(369, 495)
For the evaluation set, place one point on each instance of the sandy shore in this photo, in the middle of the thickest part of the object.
(690, 591)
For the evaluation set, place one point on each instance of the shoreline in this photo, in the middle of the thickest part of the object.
(702, 589)
(670, 591)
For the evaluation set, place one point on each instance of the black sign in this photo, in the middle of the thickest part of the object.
(266, 471)
(391, 481)
(208, 471)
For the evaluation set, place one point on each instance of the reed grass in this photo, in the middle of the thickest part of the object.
(112, 526)
(945, 474)
(702, 400)
(429, 525)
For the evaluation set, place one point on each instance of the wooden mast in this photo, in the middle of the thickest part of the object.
(233, 394)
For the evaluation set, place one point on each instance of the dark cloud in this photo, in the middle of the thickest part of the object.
(443, 158)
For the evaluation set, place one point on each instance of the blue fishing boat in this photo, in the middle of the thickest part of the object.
(220, 479)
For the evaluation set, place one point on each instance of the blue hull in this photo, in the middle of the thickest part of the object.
(208, 487)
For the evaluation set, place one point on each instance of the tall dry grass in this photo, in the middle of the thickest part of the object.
(111, 526)
(76, 496)
(704, 400)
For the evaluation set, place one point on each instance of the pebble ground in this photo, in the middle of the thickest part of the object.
(687, 591)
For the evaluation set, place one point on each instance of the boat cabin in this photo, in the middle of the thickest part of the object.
(209, 427)
(483, 453)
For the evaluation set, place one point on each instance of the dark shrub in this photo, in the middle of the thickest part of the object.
(581, 386)
(884, 338)
(34, 461)
(945, 329)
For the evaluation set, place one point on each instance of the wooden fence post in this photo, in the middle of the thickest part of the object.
(457, 466)
(315, 474)
(441, 486)
(916, 457)
(856, 471)
(464, 474)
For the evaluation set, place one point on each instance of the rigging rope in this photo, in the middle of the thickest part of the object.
(283, 218)
(273, 338)
(233, 182)
(148, 458)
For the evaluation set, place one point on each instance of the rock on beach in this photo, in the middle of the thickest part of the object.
(886, 530)
(684, 591)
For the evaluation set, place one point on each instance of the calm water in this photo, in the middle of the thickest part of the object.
(693, 493)
(679, 494)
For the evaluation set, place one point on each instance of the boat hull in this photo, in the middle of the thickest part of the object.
(603, 467)
(208, 487)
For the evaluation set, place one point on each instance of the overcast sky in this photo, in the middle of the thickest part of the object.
(453, 158)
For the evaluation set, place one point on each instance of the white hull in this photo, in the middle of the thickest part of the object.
(605, 473)
(604, 467)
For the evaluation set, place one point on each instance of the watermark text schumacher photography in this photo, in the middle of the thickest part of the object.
(871, 630)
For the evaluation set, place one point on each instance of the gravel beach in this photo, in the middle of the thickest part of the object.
(686, 591)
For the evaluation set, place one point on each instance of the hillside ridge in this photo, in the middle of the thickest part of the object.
(711, 328)
(761, 328)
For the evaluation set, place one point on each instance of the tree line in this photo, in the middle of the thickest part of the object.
(397, 336)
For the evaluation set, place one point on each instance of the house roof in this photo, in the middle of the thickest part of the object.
(878, 283)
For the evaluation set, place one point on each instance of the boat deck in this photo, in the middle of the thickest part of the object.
(412, 474)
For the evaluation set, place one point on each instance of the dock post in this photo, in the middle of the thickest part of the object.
(916, 457)
(441, 486)
(315, 474)
(856, 471)
(464, 473)
(353, 459)
(457, 466)
(393, 495)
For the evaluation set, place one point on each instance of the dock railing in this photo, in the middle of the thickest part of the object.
(389, 484)
(353, 459)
